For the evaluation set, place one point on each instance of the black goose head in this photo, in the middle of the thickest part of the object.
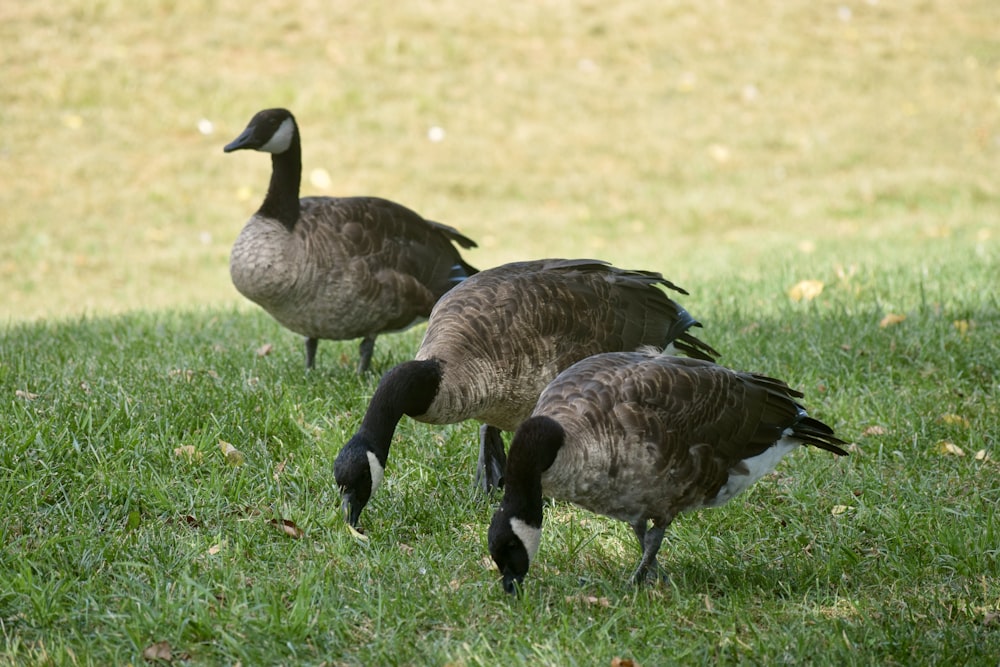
(516, 528)
(406, 389)
(269, 131)
(358, 472)
(513, 544)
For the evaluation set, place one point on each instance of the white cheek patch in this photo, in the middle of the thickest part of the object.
(281, 139)
(376, 470)
(529, 536)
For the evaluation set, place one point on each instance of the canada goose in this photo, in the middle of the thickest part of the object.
(641, 436)
(337, 267)
(495, 341)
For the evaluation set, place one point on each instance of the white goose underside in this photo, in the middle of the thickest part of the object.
(756, 467)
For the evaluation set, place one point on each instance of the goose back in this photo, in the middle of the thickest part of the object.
(649, 436)
(506, 332)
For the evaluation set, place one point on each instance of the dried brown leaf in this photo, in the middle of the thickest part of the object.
(288, 527)
(589, 600)
(948, 448)
(188, 451)
(187, 519)
(623, 662)
(26, 395)
(264, 349)
(952, 419)
(806, 290)
(875, 429)
(891, 320)
(158, 651)
(405, 548)
(233, 455)
(214, 549)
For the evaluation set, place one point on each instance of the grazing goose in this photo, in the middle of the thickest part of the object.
(640, 436)
(337, 267)
(495, 341)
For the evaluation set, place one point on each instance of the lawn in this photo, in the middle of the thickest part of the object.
(819, 176)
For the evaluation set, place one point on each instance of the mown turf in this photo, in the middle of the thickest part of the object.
(738, 148)
(116, 538)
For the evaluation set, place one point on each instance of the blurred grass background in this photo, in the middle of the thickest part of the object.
(708, 140)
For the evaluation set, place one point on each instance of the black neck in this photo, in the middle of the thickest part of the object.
(282, 200)
(407, 389)
(532, 451)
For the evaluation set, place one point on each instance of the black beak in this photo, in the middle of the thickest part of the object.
(239, 142)
(512, 584)
(352, 509)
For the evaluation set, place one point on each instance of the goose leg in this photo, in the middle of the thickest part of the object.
(650, 541)
(365, 349)
(639, 528)
(311, 344)
(492, 459)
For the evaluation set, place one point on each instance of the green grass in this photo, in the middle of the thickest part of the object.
(739, 148)
(113, 541)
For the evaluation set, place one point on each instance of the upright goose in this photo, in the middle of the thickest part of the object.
(495, 341)
(640, 437)
(337, 267)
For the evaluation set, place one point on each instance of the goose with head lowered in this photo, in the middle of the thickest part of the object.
(495, 341)
(337, 268)
(641, 437)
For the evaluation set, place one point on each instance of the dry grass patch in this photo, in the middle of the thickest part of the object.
(694, 138)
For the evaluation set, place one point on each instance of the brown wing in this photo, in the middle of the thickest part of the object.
(738, 414)
(689, 419)
(506, 332)
(551, 313)
(399, 261)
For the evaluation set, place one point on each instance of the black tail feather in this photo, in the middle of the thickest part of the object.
(814, 432)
